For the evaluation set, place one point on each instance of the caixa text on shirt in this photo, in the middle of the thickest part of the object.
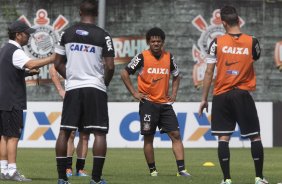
(82, 47)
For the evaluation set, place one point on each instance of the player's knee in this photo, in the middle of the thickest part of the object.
(174, 136)
(72, 136)
(225, 138)
(84, 136)
(64, 134)
(255, 138)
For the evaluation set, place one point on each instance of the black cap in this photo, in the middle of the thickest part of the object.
(19, 26)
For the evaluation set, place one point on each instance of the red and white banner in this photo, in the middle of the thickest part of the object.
(127, 47)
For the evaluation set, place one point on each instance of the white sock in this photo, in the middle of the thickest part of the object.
(12, 168)
(4, 166)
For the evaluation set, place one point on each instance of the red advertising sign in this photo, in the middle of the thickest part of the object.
(127, 47)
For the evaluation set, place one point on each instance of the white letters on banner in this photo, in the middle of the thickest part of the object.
(42, 124)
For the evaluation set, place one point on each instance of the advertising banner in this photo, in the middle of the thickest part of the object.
(127, 47)
(42, 123)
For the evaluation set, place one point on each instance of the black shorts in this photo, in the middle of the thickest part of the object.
(85, 109)
(153, 115)
(11, 123)
(234, 106)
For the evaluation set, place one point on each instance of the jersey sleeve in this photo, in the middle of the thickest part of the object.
(60, 47)
(211, 55)
(20, 59)
(256, 49)
(135, 64)
(108, 48)
(173, 66)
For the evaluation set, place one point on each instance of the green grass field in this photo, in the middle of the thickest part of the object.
(127, 166)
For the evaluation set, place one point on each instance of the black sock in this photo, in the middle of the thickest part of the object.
(80, 162)
(98, 163)
(258, 156)
(152, 167)
(180, 165)
(69, 162)
(61, 168)
(224, 158)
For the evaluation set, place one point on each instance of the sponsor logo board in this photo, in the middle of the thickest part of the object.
(42, 124)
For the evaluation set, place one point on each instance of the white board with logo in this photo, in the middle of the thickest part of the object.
(42, 123)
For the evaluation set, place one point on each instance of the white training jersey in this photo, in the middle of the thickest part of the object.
(85, 45)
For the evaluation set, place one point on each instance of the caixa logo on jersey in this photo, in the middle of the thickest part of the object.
(41, 43)
(208, 33)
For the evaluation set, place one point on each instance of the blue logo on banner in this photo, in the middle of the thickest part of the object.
(203, 122)
(44, 130)
(128, 135)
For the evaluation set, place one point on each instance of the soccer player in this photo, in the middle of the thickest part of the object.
(13, 63)
(82, 146)
(154, 67)
(88, 71)
(233, 54)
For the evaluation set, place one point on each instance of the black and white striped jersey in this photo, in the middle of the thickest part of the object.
(85, 45)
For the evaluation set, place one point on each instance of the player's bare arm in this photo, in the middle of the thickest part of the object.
(206, 87)
(56, 80)
(175, 86)
(109, 69)
(127, 81)
(37, 63)
(60, 65)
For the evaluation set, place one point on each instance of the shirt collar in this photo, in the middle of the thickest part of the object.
(15, 43)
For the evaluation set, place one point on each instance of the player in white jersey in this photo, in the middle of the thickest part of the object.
(88, 71)
(82, 146)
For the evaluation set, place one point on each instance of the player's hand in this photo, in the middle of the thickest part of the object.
(139, 96)
(203, 105)
(280, 68)
(32, 72)
(62, 93)
(172, 98)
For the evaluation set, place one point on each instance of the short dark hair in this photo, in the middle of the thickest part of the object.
(11, 35)
(155, 32)
(89, 7)
(229, 15)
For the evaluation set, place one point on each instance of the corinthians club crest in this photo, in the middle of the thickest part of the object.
(41, 43)
(208, 33)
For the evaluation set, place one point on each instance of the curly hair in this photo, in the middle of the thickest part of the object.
(155, 32)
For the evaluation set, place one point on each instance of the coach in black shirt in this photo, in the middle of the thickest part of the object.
(13, 63)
